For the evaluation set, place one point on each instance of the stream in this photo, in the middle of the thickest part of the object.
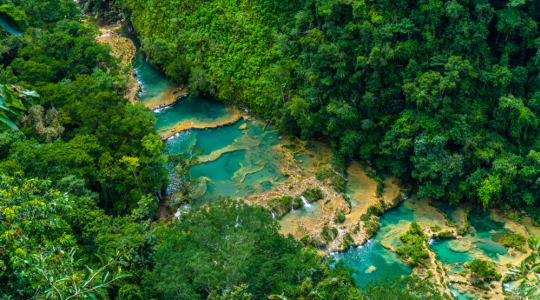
(239, 159)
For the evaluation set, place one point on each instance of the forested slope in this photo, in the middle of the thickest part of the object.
(80, 170)
(443, 93)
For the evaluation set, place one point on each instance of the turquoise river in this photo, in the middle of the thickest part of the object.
(238, 159)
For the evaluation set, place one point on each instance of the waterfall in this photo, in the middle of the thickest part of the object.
(273, 215)
(306, 204)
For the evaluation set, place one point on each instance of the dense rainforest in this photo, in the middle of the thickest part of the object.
(81, 170)
(444, 94)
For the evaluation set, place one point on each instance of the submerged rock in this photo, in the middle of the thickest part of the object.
(371, 269)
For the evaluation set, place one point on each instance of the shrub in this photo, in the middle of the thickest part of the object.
(435, 228)
(338, 183)
(297, 202)
(309, 241)
(380, 187)
(281, 206)
(340, 217)
(348, 241)
(445, 235)
(371, 226)
(313, 194)
(375, 210)
(414, 250)
(482, 271)
(348, 200)
(364, 217)
(329, 234)
(513, 240)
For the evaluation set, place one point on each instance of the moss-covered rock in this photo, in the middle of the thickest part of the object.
(281, 206)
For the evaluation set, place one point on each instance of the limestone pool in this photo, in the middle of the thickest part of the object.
(372, 261)
(239, 158)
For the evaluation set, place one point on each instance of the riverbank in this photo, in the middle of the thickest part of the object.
(239, 150)
(125, 50)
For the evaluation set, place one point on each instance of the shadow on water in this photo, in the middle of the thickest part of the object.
(9, 25)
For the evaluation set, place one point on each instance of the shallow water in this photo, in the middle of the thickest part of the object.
(480, 242)
(443, 249)
(238, 161)
(374, 262)
(153, 82)
(196, 109)
(235, 162)
(9, 27)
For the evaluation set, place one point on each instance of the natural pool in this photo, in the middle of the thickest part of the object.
(239, 159)
(372, 261)
(154, 84)
(480, 242)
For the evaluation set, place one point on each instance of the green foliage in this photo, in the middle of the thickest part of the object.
(13, 101)
(371, 226)
(443, 94)
(445, 235)
(482, 272)
(406, 288)
(337, 180)
(374, 210)
(340, 217)
(414, 250)
(329, 233)
(297, 202)
(514, 240)
(435, 228)
(82, 125)
(281, 206)
(309, 241)
(39, 239)
(313, 194)
(228, 244)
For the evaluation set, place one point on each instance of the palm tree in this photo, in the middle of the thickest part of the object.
(13, 101)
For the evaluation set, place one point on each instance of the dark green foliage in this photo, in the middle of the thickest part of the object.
(443, 93)
(329, 233)
(371, 226)
(513, 240)
(281, 206)
(297, 202)
(445, 235)
(313, 194)
(84, 126)
(309, 241)
(340, 217)
(482, 272)
(406, 288)
(375, 210)
(413, 250)
(225, 245)
(337, 180)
